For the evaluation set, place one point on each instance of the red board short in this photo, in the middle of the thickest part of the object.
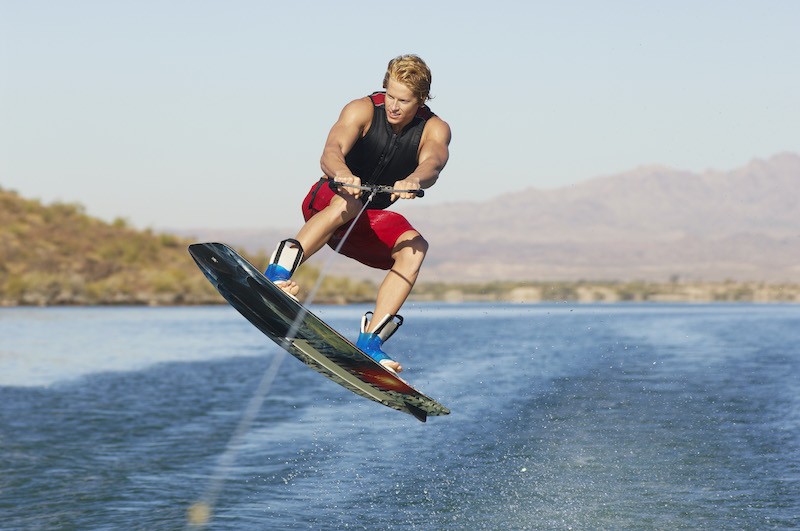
(373, 235)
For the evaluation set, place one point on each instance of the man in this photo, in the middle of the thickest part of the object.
(389, 138)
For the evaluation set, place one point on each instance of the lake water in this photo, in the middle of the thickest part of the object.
(563, 417)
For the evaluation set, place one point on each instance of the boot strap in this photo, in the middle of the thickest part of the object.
(288, 257)
(386, 327)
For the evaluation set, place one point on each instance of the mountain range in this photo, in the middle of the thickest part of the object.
(652, 223)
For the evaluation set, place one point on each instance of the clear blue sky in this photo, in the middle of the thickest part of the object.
(198, 113)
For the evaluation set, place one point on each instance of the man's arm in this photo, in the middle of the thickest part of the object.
(432, 157)
(351, 125)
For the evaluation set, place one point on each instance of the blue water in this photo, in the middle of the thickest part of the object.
(564, 417)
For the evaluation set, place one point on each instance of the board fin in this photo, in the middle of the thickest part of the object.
(418, 413)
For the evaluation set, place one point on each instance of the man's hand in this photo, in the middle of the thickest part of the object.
(349, 179)
(409, 183)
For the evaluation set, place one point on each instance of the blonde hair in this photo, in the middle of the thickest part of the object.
(412, 72)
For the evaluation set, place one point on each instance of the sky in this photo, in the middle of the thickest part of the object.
(188, 114)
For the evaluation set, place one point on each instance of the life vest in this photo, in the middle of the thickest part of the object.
(382, 157)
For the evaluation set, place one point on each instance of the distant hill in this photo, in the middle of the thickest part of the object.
(57, 255)
(652, 223)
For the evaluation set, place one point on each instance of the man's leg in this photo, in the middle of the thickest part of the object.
(319, 229)
(408, 253)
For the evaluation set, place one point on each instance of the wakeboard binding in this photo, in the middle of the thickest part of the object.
(371, 342)
(284, 261)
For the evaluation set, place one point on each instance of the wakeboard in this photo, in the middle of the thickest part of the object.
(312, 341)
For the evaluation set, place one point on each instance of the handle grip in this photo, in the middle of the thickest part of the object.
(377, 188)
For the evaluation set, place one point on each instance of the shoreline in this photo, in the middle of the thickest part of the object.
(519, 292)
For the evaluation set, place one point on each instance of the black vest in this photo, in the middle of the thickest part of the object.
(382, 157)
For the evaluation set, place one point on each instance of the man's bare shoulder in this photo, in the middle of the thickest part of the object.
(437, 128)
(358, 111)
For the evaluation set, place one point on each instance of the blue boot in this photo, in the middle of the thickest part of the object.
(371, 342)
(284, 261)
(277, 273)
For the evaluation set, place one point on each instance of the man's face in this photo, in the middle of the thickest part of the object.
(401, 104)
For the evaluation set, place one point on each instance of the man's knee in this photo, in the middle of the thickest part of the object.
(421, 245)
(341, 210)
(411, 249)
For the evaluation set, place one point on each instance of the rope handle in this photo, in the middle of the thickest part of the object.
(377, 188)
